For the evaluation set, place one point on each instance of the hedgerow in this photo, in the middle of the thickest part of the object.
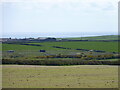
(59, 62)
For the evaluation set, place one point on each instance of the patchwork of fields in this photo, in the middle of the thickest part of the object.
(105, 46)
(77, 64)
(83, 76)
(73, 50)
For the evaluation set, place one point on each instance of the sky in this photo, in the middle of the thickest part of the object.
(59, 16)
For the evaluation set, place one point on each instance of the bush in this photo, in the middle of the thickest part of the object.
(59, 62)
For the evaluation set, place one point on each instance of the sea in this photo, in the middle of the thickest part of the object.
(55, 34)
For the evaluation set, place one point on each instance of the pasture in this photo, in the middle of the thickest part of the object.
(63, 49)
(105, 46)
(104, 37)
(81, 76)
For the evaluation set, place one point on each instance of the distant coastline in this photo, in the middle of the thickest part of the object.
(55, 34)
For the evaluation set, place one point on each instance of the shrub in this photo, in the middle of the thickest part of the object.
(59, 62)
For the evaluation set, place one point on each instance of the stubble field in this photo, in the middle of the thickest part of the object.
(81, 76)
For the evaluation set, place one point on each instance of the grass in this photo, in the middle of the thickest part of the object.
(111, 46)
(17, 47)
(105, 46)
(104, 37)
(84, 76)
(32, 51)
(0, 46)
(109, 60)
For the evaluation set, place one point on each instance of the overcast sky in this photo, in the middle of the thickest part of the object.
(60, 16)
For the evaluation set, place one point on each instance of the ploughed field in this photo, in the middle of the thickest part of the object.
(81, 76)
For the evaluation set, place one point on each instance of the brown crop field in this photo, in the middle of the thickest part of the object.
(81, 76)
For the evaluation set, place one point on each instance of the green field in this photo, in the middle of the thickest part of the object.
(17, 47)
(104, 37)
(105, 46)
(30, 52)
(84, 76)
(61, 53)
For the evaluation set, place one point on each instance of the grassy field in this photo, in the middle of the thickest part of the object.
(105, 46)
(84, 76)
(104, 37)
(29, 52)
(17, 47)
